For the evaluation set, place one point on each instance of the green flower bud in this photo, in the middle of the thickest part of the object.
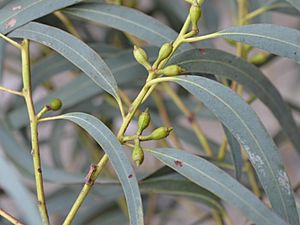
(165, 51)
(171, 70)
(195, 14)
(143, 121)
(141, 57)
(157, 134)
(259, 58)
(138, 155)
(55, 104)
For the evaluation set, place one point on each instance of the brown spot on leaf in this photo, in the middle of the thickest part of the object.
(202, 51)
(130, 176)
(178, 163)
(10, 23)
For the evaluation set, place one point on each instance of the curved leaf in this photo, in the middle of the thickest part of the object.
(218, 182)
(11, 184)
(276, 39)
(235, 150)
(76, 51)
(124, 67)
(228, 66)
(127, 20)
(294, 3)
(107, 140)
(17, 13)
(243, 123)
(175, 185)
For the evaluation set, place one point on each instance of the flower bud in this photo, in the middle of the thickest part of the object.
(55, 104)
(171, 70)
(157, 134)
(143, 121)
(195, 14)
(259, 58)
(164, 52)
(141, 57)
(138, 155)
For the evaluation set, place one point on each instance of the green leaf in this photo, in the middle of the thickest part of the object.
(175, 184)
(19, 12)
(11, 184)
(76, 51)
(2, 57)
(107, 140)
(235, 151)
(218, 182)
(125, 19)
(276, 39)
(294, 3)
(124, 67)
(243, 123)
(225, 65)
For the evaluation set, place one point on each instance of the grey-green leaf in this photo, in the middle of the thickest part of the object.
(107, 140)
(76, 51)
(11, 184)
(19, 12)
(236, 154)
(295, 3)
(243, 123)
(225, 65)
(125, 19)
(276, 39)
(218, 182)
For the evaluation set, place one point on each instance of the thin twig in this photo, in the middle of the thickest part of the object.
(9, 217)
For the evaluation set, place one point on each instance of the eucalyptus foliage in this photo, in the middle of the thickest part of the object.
(114, 103)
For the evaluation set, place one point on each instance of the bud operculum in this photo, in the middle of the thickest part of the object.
(195, 14)
(143, 121)
(138, 154)
(157, 134)
(141, 57)
(171, 70)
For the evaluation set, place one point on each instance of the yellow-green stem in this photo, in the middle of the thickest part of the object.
(90, 180)
(190, 116)
(67, 22)
(27, 92)
(11, 91)
(9, 218)
(10, 41)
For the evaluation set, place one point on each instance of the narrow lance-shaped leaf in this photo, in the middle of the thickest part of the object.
(295, 3)
(225, 65)
(17, 13)
(218, 182)
(242, 122)
(2, 57)
(127, 20)
(107, 140)
(235, 151)
(276, 39)
(76, 51)
(11, 184)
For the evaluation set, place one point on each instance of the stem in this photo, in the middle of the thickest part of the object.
(165, 118)
(11, 91)
(27, 92)
(67, 22)
(9, 218)
(10, 41)
(190, 116)
(202, 38)
(262, 10)
(89, 182)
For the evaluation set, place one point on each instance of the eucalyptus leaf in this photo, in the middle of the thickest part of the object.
(236, 154)
(243, 123)
(279, 40)
(19, 12)
(125, 19)
(2, 57)
(10, 182)
(76, 51)
(225, 65)
(210, 177)
(294, 3)
(107, 140)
